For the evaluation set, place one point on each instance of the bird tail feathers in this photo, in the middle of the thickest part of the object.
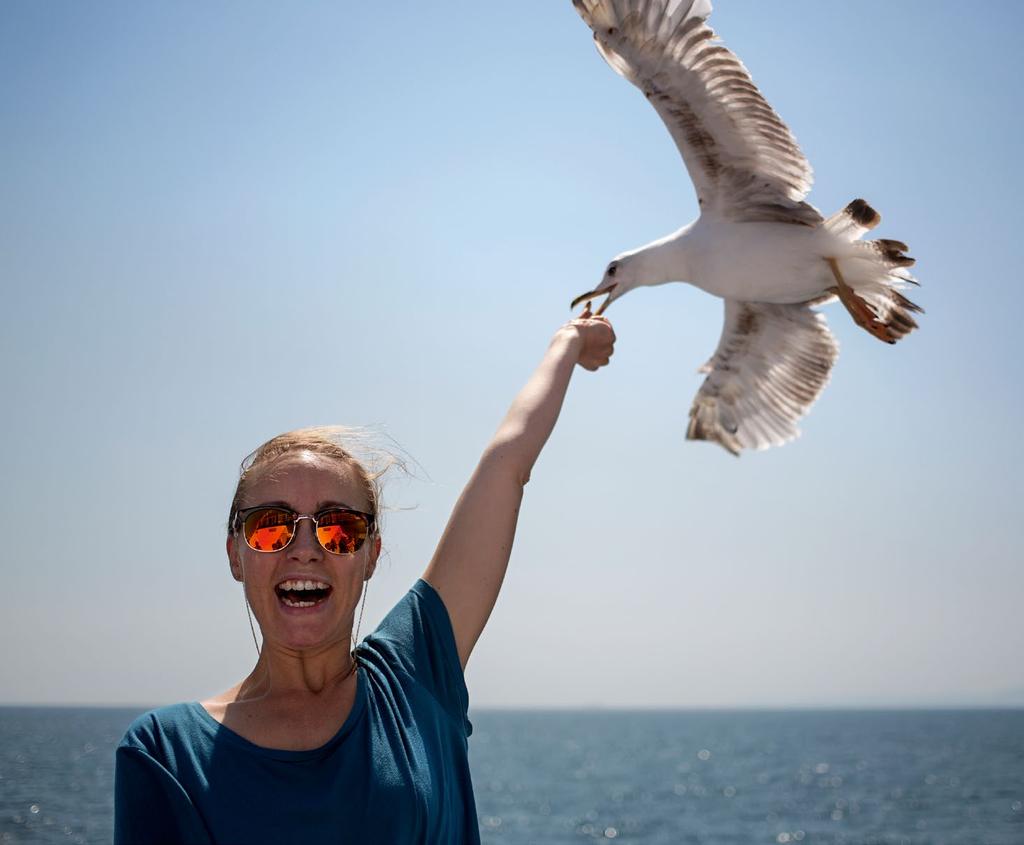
(874, 273)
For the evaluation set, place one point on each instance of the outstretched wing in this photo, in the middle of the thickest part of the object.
(771, 364)
(743, 160)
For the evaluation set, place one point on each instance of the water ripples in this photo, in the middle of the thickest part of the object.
(746, 777)
(848, 778)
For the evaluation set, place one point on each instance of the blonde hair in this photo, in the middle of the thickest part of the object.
(331, 441)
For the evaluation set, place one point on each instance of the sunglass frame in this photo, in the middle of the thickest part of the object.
(242, 515)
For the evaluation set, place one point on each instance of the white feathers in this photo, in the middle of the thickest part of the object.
(743, 160)
(756, 244)
(771, 363)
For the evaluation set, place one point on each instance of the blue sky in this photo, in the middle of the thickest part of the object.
(222, 221)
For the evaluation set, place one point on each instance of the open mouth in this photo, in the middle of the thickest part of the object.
(302, 593)
(591, 294)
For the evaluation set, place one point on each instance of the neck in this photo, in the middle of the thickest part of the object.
(664, 260)
(285, 672)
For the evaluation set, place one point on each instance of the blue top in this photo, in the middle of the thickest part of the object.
(396, 772)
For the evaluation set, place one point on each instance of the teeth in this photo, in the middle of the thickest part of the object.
(291, 603)
(302, 585)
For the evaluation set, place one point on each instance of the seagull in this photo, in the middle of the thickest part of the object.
(756, 244)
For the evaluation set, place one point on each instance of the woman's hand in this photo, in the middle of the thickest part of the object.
(597, 339)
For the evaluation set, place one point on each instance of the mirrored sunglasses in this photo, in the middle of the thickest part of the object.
(341, 531)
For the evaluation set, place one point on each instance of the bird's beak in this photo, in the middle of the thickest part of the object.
(590, 294)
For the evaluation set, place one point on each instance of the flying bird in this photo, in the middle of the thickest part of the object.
(756, 244)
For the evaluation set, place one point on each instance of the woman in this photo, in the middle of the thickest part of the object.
(320, 743)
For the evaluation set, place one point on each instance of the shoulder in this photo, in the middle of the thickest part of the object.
(156, 730)
(419, 613)
(414, 646)
(421, 600)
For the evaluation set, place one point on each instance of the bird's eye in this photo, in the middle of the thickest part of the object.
(612, 268)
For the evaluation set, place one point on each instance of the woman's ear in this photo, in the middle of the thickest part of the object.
(236, 566)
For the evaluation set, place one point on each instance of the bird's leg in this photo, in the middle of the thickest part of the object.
(859, 309)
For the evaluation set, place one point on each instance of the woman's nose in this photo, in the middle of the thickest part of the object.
(305, 545)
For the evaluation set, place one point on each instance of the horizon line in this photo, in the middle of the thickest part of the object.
(601, 707)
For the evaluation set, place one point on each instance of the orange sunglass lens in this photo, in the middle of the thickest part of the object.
(341, 532)
(268, 530)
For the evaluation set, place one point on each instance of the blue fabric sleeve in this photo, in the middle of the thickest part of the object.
(416, 637)
(150, 806)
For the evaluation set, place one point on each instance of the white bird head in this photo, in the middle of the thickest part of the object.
(620, 276)
(659, 262)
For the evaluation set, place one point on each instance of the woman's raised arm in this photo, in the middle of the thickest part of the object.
(469, 564)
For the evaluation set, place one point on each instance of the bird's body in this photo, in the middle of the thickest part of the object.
(760, 262)
(756, 244)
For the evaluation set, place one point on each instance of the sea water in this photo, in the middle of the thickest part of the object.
(797, 776)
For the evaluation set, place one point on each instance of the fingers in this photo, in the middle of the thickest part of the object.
(598, 339)
(602, 331)
(594, 323)
(594, 359)
(593, 364)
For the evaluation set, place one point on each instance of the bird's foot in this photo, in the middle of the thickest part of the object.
(858, 307)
